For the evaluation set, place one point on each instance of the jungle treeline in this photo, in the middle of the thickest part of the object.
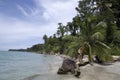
(95, 29)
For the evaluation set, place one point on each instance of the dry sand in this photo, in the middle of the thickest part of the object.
(88, 72)
(100, 72)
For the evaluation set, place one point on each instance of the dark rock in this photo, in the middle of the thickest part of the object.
(67, 66)
(61, 71)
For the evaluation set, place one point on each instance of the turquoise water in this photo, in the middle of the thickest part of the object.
(23, 65)
(32, 66)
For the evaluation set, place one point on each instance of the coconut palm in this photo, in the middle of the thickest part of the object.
(45, 38)
(61, 30)
(91, 38)
(70, 27)
(73, 26)
(93, 29)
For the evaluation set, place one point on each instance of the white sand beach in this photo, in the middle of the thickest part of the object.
(88, 72)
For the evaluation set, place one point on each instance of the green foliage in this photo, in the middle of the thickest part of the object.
(45, 38)
(36, 48)
(71, 45)
(103, 52)
(61, 30)
(116, 11)
(116, 52)
(95, 28)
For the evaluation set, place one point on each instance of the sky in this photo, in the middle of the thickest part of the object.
(24, 22)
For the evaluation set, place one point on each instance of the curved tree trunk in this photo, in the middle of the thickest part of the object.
(90, 54)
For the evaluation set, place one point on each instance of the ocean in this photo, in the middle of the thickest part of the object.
(27, 65)
(32, 66)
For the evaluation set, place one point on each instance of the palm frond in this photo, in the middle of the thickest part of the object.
(97, 36)
(103, 44)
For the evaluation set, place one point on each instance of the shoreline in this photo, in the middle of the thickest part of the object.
(88, 72)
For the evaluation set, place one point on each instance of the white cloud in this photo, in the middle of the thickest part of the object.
(17, 29)
(22, 10)
(30, 12)
(13, 30)
(58, 10)
(54, 10)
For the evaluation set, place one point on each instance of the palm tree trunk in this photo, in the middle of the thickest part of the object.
(90, 54)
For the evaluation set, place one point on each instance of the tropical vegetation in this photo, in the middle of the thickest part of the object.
(94, 29)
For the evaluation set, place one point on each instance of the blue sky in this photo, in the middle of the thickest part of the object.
(24, 22)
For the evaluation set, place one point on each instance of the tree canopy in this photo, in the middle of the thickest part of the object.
(95, 28)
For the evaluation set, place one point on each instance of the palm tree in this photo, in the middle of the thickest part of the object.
(91, 38)
(61, 30)
(73, 26)
(93, 29)
(70, 27)
(45, 38)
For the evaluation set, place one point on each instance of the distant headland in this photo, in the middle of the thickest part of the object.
(17, 50)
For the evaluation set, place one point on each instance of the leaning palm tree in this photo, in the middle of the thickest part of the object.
(92, 31)
(91, 38)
